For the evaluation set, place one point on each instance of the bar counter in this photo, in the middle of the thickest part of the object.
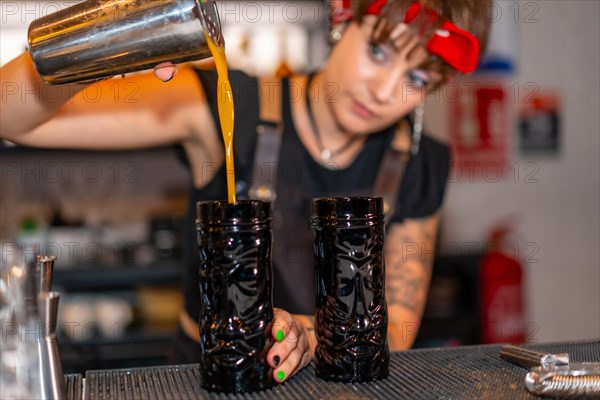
(468, 372)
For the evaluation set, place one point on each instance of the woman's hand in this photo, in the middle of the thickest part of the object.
(167, 70)
(294, 345)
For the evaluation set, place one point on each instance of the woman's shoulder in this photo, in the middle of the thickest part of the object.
(433, 161)
(243, 85)
(425, 178)
(433, 148)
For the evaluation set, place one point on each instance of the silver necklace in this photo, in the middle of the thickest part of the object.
(327, 155)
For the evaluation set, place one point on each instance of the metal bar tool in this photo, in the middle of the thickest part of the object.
(52, 383)
(553, 374)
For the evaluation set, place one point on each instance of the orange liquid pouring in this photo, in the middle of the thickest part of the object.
(226, 113)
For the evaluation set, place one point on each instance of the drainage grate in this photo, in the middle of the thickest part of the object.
(447, 373)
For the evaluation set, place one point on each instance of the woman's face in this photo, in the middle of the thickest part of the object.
(375, 84)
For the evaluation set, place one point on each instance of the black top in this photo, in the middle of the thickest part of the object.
(300, 178)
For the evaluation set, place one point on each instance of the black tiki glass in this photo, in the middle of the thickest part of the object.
(236, 306)
(351, 312)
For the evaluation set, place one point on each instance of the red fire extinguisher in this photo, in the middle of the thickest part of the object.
(501, 293)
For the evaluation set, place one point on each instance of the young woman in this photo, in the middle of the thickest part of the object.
(340, 125)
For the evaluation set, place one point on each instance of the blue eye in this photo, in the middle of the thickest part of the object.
(377, 52)
(418, 78)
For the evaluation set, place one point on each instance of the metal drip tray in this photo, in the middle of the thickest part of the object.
(473, 372)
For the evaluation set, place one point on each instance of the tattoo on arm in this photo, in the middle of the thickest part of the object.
(406, 288)
(411, 253)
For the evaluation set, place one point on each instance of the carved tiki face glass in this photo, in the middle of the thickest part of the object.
(351, 312)
(236, 305)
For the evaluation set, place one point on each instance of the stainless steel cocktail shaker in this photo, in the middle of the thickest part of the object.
(96, 39)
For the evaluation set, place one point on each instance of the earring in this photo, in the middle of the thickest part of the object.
(417, 129)
(336, 33)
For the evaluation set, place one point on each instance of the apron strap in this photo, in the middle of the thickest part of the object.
(392, 170)
(270, 133)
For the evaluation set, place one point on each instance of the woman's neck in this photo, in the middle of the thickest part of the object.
(319, 130)
(320, 95)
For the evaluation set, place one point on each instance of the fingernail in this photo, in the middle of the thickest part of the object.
(167, 80)
(281, 376)
(276, 360)
(279, 335)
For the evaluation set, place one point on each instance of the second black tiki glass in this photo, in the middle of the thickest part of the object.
(351, 311)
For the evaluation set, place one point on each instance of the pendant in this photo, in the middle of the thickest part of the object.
(327, 158)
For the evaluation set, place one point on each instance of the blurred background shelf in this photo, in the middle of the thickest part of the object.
(96, 277)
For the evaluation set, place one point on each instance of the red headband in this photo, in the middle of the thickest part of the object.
(457, 47)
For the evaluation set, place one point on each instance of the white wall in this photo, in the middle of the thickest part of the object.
(559, 215)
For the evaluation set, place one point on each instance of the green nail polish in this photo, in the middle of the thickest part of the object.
(281, 375)
(279, 335)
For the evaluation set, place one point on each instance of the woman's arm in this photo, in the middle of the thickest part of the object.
(132, 112)
(27, 101)
(409, 257)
